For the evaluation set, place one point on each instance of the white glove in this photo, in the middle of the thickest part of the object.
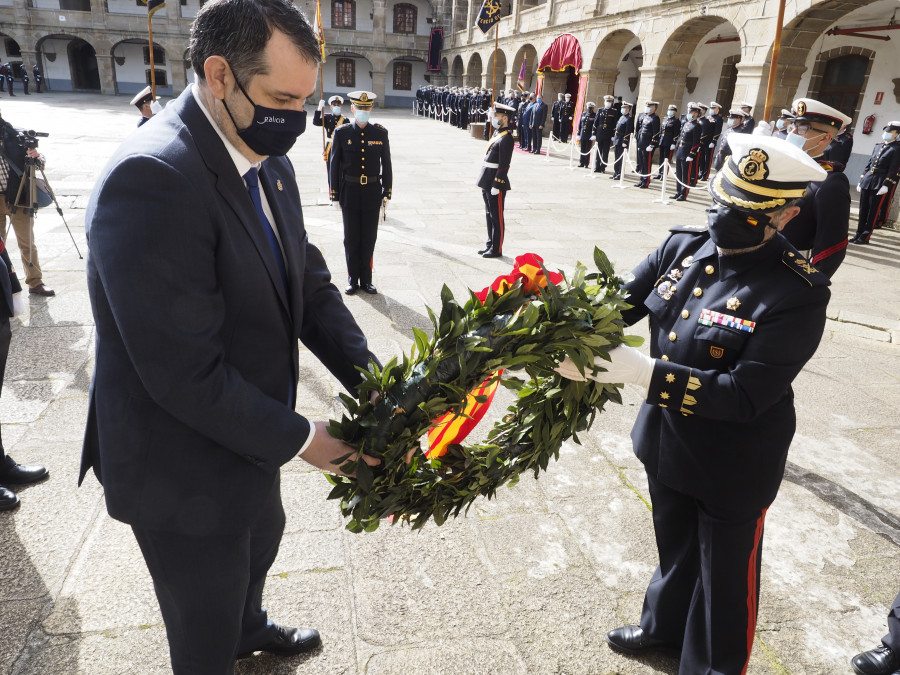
(689, 159)
(649, 148)
(712, 145)
(859, 187)
(155, 107)
(336, 205)
(18, 304)
(593, 138)
(570, 119)
(882, 190)
(672, 147)
(762, 129)
(495, 191)
(321, 105)
(626, 364)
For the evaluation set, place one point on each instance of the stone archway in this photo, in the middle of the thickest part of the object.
(457, 71)
(501, 72)
(131, 66)
(606, 63)
(83, 66)
(474, 71)
(528, 54)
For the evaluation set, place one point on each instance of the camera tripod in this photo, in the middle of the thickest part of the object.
(31, 204)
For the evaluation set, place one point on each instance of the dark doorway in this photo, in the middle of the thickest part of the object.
(842, 84)
(83, 66)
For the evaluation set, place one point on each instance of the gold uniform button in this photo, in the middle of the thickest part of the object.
(709, 269)
(685, 314)
(698, 292)
(664, 357)
(673, 336)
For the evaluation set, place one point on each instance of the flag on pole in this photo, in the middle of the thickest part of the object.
(153, 5)
(489, 15)
(319, 28)
(520, 83)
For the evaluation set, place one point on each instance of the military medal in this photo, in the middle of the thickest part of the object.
(732, 303)
(675, 274)
(666, 289)
(279, 186)
(687, 262)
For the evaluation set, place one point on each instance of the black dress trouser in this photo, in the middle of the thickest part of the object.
(360, 233)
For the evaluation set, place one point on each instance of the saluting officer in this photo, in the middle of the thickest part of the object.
(735, 313)
(142, 101)
(878, 184)
(604, 129)
(686, 151)
(669, 130)
(361, 180)
(646, 136)
(331, 121)
(585, 130)
(622, 138)
(823, 222)
(708, 150)
(566, 115)
(494, 179)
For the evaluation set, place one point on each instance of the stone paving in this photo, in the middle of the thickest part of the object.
(526, 583)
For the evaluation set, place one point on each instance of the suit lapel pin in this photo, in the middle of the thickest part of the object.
(279, 185)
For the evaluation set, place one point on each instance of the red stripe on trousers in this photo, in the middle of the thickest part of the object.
(752, 590)
(500, 216)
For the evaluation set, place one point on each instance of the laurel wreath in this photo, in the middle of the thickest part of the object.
(525, 332)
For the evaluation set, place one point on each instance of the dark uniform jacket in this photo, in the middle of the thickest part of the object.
(647, 130)
(689, 140)
(567, 110)
(329, 120)
(824, 221)
(747, 126)
(705, 131)
(624, 130)
(723, 150)
(9, 284)
(882, 168)
(605, 123)
(730, 334)
(191, 407)
(586, 125)
(556, 110)
(716, 131)
(669, 129)
(496, 161)
(839, 150)
(356, 153)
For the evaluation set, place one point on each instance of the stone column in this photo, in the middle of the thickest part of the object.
(378, 22)
(106, 68)
(665, 84)
(29, 58)
(378, 86)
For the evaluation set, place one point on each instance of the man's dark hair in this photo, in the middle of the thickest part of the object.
(239, 30)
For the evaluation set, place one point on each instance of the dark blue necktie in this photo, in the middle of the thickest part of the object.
(253, 188)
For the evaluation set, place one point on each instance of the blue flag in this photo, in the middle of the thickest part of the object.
(489, 15)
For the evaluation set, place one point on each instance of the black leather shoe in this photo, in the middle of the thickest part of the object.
(491, 254)
(20, 474)
(484, 250)
(288, 642)
(680, 198)
(631, 640)
(369, 288)
(351, 289)
(879, 661)
(614, 177)
(8, 499)
(861, 238)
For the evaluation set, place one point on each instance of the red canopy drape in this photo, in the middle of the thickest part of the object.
(565, 51)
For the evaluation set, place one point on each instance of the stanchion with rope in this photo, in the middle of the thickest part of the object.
(665, 201)
(621, 184)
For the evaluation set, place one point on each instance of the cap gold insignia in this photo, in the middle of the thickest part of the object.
(732, 303)
(279, 185)
(363, 97)
(753, 166)
(801, 108)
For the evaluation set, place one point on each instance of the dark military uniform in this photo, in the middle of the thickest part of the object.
(669, 130)
(555, 112)
(688, 147)
(708, 151)
(730, 334)
(882, 169)
(494, 174)
(622, 139)
(646, 136)
(823, 222)
(723, 150)
(839, 150)
(585, 130)
(604, 129)
(747, 125)
(361, 177)
(566, 114)
(330, 122)
(705, 135)
(38, 78)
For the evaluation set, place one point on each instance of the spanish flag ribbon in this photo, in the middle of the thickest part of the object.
(453, 427)
(321, 29)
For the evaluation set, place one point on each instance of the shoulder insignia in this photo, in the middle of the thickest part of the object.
(804, 269)
(692, 229)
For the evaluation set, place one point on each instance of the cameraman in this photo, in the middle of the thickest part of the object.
(12, 164)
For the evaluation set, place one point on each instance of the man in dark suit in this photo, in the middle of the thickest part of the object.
(538, 119)
(494, 179)
(202, 280)
(735, 313)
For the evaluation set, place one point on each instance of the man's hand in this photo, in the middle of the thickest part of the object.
(34, 154)
(324, 449)
(593, 138)
(712, 145)
(649, 148)
(672, 147)
(882, 190)
(859, 187)
(627, 365)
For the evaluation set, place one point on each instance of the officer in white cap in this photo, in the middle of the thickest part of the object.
(361, 180)
(686, 151)
(646, 138)
(736, 314)
(669, 131)
(330, 120)
(604, 129)
(823, 222)
(494, 179)
(878, 183)
(142, 101)
(705, 136)
(782, 124)
(714, 131)
(622, 138)
(566, 117)
(733, 125)
(749, 123)
(584, 132)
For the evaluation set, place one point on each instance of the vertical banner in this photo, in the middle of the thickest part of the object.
(579, 102)
(540, 83)
(434, 49)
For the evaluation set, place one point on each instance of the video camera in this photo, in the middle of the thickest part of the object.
(29, 138)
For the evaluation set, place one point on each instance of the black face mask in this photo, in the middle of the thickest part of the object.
(272, 131)
(732, 229)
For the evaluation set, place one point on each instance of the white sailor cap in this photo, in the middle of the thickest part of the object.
(713, 104)
(672, 106)
(591, 104)
(736, 112)
(335, 99)
(811, 110)
(624, 103)
(142, 97)
(609, 97)
(892, 126)
(362, 99)
(744, 104)
(502, 107)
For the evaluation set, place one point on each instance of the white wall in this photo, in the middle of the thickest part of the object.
(706, 64)
(131, 76)
(57, 72)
